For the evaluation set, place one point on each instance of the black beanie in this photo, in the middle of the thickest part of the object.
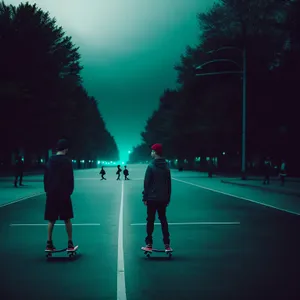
(62, 145)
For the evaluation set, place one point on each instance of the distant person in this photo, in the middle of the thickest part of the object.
(119, 170)
(19, 170)
(282, 173)
(156, 195)
(210, 166)
(59, 186)
(126, 173)
(267, 170)
(102, 172)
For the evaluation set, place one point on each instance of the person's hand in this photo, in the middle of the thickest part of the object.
(145, 202)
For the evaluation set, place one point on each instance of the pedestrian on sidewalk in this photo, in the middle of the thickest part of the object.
(156, 196)
(282, 173)
(267, 170)
(210, 166)
(59, 186)
(102, 172)
(19, 170)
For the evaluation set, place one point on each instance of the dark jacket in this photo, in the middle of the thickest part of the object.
(59, 176)
(19, 165)
(157, 182)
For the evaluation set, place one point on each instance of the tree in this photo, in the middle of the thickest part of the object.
(240, 24)
(140, 153)
(41, 92)
(209, 107)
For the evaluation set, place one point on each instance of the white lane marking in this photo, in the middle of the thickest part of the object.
(113, 179)
(239, 197)
(21, 199)
(192, 223)
(46, 224)
(121, 288)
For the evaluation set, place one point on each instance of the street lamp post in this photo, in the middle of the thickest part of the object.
(243, 72)
(244, 118)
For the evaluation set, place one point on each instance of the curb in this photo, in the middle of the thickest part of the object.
(263, 188)
(21, 199)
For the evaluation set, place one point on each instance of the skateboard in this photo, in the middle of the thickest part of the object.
(71, 253)
(148, 253)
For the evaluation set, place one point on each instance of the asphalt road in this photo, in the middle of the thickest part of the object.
(224, 247)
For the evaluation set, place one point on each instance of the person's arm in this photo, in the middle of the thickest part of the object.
(147, 183)
(70, 178)
(169, 186)
(46, 178)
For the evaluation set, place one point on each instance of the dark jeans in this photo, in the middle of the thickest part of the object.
(267, 179)
(160, 207)
(282, 178)
(19, 175)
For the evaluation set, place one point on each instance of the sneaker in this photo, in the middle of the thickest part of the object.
(50, 246)
(70, 246)
(168, 248)
(148, 247)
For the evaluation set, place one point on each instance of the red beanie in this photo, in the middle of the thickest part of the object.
(157, 148)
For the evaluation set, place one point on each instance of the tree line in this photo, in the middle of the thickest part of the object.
(203, 116)
(42, 96)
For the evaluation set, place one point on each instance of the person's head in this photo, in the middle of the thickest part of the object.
(62, 146)
(156, 151)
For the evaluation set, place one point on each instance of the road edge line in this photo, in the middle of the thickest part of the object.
(239, 197)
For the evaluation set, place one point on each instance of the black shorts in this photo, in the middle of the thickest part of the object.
(58, 207)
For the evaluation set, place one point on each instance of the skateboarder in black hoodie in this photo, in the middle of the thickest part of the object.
(59, 186)
(156, 195)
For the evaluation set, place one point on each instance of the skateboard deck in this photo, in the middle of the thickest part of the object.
(148, 253)
(71, 253)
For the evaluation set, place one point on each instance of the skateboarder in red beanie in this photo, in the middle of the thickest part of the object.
(156, 196)
(59, 186)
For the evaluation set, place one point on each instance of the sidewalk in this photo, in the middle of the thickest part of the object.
(291, 186)
(282, 198)
(33, 186)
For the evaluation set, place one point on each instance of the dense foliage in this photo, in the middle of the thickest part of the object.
(203, 117)
(41, 92)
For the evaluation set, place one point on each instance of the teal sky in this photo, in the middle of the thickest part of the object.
(128, 49)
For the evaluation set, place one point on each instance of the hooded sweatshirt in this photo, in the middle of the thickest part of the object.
(157, 182)
(58, 176)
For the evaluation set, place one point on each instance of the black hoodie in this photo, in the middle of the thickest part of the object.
(157, 182)
(59, 177)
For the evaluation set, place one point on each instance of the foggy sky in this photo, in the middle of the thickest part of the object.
(128, 49)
